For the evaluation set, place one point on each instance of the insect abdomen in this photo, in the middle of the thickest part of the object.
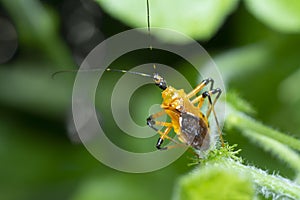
(194, 131)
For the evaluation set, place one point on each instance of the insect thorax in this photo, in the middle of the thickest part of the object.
(194, 131)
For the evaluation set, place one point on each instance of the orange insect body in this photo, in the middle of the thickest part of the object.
(188, 122)
(175, 103)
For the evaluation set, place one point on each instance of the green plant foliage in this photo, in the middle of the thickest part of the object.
(272, 141)
(105, 188)
(199, 19)
(221, 177)
(197, 186)
(213, 182)
(243, 121)
(239, 103)
(281, 15)
(276, 148)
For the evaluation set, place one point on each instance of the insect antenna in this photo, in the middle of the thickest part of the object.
(149, 30)
(148, 25)
(107, 69)
(130, 72)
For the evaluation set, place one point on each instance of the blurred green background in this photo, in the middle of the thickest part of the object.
(256, 45)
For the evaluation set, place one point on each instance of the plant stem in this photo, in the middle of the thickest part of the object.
(281, 151)
(244, 122)
(268, 184)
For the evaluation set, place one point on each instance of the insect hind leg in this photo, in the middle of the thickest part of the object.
(200, 100)
(208, 94)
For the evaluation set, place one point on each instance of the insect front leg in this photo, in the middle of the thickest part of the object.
(204, 83)
(151, 119)
(207, 94)
(152, 123)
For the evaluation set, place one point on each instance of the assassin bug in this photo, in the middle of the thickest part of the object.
(187, 121)
(184, 109)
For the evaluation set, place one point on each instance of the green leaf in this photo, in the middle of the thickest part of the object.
(213, 182)
(199, 19)
(118, 187)
(281, 15)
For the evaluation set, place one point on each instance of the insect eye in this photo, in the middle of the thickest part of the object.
(160, 82)
(163, 85)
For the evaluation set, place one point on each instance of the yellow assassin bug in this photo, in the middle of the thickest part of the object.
(184, 109)
(187, 120)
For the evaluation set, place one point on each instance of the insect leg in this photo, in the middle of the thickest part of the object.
(208, 94)
(163, 135)
(161, 138)
(151, 122)
(199, 100)
(204, 83)
(217, 91)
